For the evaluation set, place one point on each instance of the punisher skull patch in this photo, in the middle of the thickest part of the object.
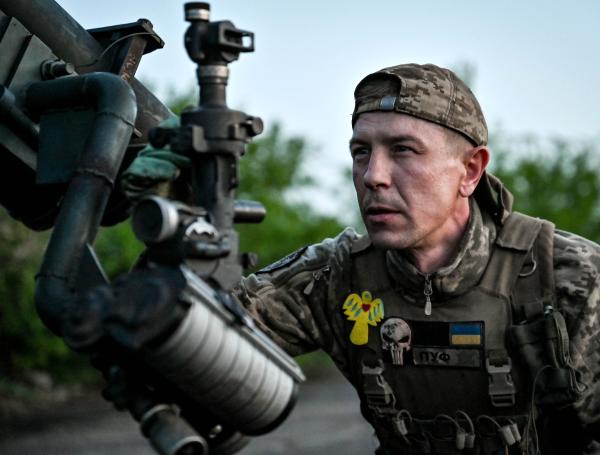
(396, 338)
(456, 344)
(364, 311)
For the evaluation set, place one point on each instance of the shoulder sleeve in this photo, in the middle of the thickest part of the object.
(294, 300)
(577, 280)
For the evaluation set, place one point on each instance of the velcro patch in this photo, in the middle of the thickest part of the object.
(441, 357)
(458, 344)
(447, 334)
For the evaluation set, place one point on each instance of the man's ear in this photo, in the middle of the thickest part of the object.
(475, 161)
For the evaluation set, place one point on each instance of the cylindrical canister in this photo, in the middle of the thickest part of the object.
(222, 363)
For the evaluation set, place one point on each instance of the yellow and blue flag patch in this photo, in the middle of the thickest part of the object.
(466, 333)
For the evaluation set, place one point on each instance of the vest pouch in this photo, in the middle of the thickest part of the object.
(543, 345)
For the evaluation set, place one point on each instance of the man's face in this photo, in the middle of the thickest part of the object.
(407, 179)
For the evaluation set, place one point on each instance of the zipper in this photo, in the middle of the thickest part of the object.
(316, 276)
(428, 291)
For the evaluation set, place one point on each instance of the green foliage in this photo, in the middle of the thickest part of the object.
(315, 364)
(118, 248)
(554, 179)
(270, 173)
(25, 343)
(180, 99)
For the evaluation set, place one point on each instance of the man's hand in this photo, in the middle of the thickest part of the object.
(152, 171)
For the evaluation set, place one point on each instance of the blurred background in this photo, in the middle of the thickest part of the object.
(534, 66)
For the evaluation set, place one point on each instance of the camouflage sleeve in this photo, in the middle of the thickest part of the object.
(577, 280)
(294, 300)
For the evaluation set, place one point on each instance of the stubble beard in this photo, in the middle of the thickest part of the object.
(401, 237)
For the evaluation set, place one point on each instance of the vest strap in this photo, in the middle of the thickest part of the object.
(514, 246)
(519, 232)
(501, 386)
(533, 293)
(513, 261)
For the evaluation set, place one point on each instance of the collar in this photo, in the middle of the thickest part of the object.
(462, 273)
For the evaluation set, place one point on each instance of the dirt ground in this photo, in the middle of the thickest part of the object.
(326, 420)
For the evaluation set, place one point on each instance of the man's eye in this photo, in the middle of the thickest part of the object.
(398, 148)
(359, 152)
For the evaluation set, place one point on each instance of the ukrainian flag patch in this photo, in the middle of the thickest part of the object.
(466, 333)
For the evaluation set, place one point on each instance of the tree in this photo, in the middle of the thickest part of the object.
(270, 173)
(24, 341)
(555, 179)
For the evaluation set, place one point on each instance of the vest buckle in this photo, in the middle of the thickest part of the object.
(378, 393)
(501, 387)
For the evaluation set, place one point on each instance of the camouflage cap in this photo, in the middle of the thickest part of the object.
(424, 91)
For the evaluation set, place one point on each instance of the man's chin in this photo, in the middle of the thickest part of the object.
(388, 240)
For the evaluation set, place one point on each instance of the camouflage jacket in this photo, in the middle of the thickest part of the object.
(297, 301)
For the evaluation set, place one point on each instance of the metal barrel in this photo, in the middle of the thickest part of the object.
(233, 372)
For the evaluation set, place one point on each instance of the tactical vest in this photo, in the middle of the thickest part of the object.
(460, 380)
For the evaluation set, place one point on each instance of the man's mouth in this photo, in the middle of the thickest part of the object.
(380, 214)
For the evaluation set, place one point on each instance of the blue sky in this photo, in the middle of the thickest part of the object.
(537, 62)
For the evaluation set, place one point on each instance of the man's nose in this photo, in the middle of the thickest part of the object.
(377, 173)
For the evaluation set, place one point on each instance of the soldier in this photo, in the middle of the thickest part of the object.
(465, 327)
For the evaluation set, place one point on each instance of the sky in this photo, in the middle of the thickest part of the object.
(537, 63)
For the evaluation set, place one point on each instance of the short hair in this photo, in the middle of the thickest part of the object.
(457, 143)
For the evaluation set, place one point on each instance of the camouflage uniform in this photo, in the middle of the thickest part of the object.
(301, 301)
(298, 301)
